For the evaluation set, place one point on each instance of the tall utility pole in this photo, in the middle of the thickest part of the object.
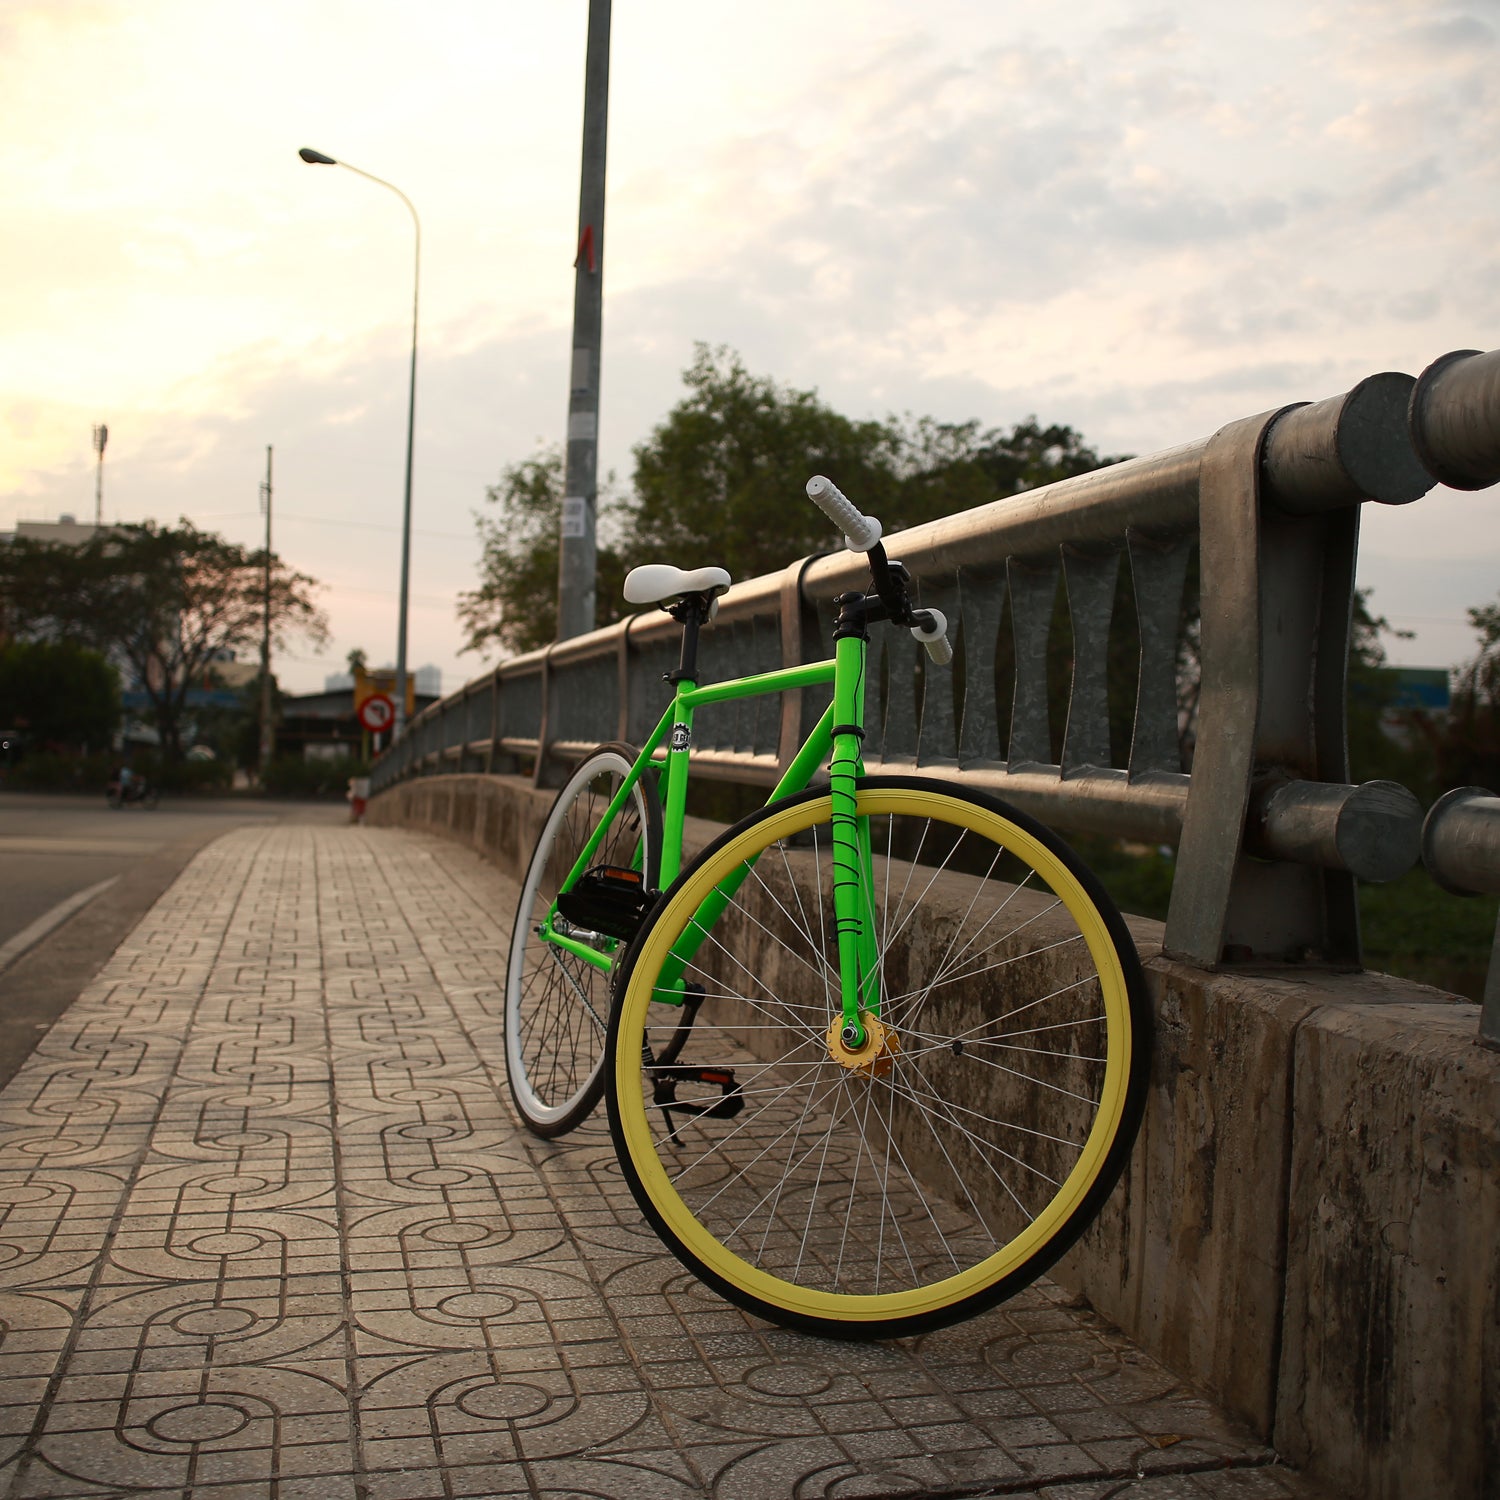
(267, 725)
(576, 552)
(101, 437)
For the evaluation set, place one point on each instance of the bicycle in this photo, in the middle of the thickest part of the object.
(875, 1058)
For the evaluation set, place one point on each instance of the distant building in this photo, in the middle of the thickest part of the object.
(228, 671)
(1427, 688)
(66, 531)
(322, 726)
(427, 680)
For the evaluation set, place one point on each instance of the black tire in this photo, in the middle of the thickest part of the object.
(556, 1004)
(949, 1166)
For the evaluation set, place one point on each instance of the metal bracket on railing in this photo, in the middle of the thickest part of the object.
(1210, 859)
(1273, 835)
(622, 677)
(489, 754)
(540, 771)
(794, 634)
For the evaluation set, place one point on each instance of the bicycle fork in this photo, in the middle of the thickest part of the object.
(853, 863)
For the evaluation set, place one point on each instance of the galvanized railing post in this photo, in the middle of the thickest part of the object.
(1273, 835)
(1210, 857)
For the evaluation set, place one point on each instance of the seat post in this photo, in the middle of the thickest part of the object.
(690, 611)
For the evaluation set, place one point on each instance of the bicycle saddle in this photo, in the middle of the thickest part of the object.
(655, 583)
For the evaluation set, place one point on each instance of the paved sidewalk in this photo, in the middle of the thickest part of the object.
(267, 1229)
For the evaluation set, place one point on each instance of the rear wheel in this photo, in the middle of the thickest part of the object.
(557, 1002)
(964, 1147)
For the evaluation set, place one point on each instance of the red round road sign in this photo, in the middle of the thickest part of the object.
(377, 712)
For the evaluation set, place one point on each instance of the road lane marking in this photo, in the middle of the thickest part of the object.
(29, 937)
(21, 845)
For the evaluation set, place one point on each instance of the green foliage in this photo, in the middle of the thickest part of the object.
(294, 776)
(1468, 746)
(1137, 876)
(515, 605)
(1417, 930)
(60, 693)
(1412, 928)
(52, 771)
(1373, 754)
(721, 480)
(164, 599)
(233, 732)
(47, 771)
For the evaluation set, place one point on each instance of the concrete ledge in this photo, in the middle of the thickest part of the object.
(1309, 1229)
(1391, 1348)
(1190, 1258)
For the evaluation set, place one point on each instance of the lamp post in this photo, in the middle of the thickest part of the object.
(317, 159)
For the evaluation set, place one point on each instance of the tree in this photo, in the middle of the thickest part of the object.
(515, 605)
(1375, 754)
(161, 600)
(1468, 745)
(61, 693)
(721, 480)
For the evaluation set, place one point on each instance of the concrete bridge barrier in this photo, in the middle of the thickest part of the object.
(1309, 1229)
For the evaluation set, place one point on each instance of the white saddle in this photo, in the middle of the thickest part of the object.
(656, 583)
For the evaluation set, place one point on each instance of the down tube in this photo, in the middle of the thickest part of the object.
(668, 987)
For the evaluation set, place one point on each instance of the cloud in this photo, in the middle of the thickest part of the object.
(1145, 229)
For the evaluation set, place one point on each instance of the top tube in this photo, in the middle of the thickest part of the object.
(782, 680)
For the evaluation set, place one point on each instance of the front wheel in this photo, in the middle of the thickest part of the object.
(556, 998)
(971, 1139)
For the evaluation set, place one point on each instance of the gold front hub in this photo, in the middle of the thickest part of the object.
(875, 1057)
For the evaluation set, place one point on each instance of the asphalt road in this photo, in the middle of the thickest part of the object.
(55, 851)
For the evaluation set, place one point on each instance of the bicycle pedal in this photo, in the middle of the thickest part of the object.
(666, 1080)
(609, 899)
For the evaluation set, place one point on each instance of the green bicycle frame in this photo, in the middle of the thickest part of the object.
(838, 731)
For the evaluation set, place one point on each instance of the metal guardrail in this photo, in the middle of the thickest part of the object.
(1271, 836)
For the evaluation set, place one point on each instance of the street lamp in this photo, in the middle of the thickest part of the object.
(317, 159)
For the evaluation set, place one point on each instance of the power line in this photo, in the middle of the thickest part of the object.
(236, 515)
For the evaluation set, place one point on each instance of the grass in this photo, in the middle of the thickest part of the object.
(1412, 928)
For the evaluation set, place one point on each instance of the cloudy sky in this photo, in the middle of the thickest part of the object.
(1143, 221)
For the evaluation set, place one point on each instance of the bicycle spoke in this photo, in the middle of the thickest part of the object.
(912, 1163)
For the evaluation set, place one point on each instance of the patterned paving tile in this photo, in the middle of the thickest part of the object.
(267, 1229)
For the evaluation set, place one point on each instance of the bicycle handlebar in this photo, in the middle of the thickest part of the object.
(935, 637)
(860, 532)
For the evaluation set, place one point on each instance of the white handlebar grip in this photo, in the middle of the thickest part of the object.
(860, 532)
(939, 647)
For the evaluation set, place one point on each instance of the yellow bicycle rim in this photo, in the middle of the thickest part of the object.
(635, 1112)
